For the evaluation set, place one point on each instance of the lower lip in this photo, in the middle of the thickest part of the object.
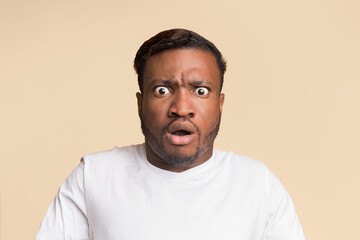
(180, 140)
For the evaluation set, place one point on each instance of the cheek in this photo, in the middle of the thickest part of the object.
(154, 114)
(209, 115)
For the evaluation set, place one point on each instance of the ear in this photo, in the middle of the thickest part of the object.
(221, 99)
(139, 102)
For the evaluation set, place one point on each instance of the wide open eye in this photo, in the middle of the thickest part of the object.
(201, 91)
(160, 91)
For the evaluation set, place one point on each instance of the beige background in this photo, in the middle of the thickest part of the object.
(67, 88)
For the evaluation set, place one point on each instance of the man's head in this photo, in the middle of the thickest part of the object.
(175, 39)
(180, 77)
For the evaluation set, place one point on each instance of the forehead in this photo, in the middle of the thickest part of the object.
(182, 65)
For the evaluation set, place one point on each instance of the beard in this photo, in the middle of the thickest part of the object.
(174, 158)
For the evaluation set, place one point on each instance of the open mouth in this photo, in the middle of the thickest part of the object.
(181, 133)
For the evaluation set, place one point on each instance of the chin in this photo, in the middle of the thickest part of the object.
(179, 155)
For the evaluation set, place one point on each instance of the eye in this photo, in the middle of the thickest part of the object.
(160, 91)
(201, 91)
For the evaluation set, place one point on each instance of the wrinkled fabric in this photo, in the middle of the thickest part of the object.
(118, 194)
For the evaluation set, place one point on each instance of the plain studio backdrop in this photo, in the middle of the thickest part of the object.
(67, 88)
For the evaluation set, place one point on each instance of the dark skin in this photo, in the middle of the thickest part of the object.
(180, 108)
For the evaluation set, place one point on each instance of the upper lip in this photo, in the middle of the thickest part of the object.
(181, 126)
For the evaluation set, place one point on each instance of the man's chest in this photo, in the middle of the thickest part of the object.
(152, 210)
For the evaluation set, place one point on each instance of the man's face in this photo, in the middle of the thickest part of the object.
(180, 107)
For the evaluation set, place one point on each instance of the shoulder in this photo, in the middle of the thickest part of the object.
(247, 170)
(239, 162)
(115, 154)
(114, 159)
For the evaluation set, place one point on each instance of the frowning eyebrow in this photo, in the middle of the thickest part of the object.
(201, 82)
(161, 81)
(171, 82)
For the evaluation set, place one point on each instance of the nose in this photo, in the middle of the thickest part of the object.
(182, 105)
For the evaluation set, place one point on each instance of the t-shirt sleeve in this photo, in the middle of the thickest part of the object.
(282, 222)
(66, 217)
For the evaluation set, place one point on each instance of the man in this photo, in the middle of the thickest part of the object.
(175, 186)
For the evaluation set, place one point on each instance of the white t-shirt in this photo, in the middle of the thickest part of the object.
(119, 195)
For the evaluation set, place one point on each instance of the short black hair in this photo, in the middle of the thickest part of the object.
(175, 39)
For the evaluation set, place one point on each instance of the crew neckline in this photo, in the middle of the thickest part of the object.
(194, 171)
